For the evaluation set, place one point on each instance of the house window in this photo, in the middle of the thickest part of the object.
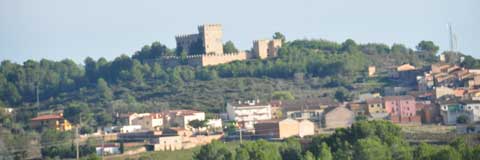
(297, 114)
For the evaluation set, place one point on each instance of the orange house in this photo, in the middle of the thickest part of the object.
(52, 121)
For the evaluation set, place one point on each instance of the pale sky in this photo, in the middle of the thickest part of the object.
(59, 29)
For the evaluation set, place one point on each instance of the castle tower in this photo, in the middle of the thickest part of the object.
(190, 43)
(211, 36)
(260, 48)
(273, 47)
(266, 48)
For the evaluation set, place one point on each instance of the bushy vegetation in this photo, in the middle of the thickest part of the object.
(365, 140)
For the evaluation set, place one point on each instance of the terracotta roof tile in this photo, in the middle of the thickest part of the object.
(47, 117)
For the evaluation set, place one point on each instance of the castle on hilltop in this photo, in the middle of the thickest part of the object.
(206, 48)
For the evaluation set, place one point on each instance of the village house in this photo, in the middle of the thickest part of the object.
(449, 76)
(405, 67)
(363, 97)
(280, 129)
(181, 118)
(215, 124)
(130, 128)
(450, 111)
(404, 72)
(375, 105)
(359, 109)
(473, 94)
(339, 117)
(400, 105)
(429, 113)
(8, 110)
(311, 109)
(439, 67)
(172, 139)
(425, 82)
(130, 117)
(156, 121)
(472, 108)
(149, 121)
(371, 71)
(107, 149)
(167, 143)
(51, 121)
(306, 128)
(247, 113)
(443, 91)
(402, 109)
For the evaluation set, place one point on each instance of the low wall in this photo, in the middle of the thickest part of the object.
(190, 142)
(210, 60)
(203, 60)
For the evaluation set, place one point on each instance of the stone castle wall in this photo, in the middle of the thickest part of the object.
(210, 60)
(204, 59)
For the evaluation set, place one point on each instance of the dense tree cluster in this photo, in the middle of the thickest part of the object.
(470, 62)
(365, 140)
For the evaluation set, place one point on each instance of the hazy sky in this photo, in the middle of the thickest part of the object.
(58, 29)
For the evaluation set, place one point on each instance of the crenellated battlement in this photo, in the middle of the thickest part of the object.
(186, 36)
(206, 59)
(205, 55)
(216, 26)
(261, 40)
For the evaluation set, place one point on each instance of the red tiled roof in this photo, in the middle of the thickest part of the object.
(46, 117)
(374, 100)
(156, 115)
(312, 103)
(275, 103)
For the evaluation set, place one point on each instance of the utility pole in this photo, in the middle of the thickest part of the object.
(78, 136)
(452, 47)
(240, 134)
(103, 144)
(77, 141)
(38, 97)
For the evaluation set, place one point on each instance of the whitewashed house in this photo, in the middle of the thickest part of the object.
(247, 113)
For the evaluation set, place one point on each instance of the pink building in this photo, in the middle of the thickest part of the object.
(400, 105)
